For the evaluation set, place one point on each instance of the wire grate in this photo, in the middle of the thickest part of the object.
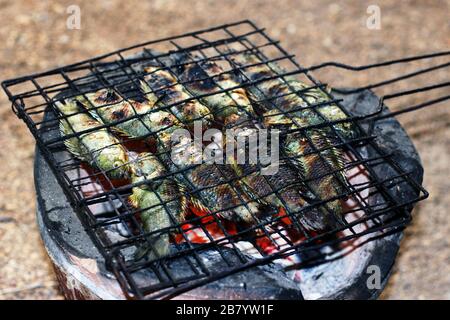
(115, 225)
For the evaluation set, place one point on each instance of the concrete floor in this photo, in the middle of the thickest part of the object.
(34, 38)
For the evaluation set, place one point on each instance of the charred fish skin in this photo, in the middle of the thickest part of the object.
(109, 105)
(227, 203)
(218, 193)
(234, 110)
(213, 188)
(138, 119)
(282, 93)
(316, 167)
(300, 145)
(162, 86)
(99, 147)
(208, 78)
(221, 198)
(309, 149)
(291, 194)
(287, 102)
(286, 190)
(161, 201)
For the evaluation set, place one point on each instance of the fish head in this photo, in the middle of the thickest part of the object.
(114, 160)
(69, 107)
(146, 168)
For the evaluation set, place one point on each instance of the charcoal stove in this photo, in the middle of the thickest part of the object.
(86, 226)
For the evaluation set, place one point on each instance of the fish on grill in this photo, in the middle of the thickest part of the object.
(217, 184)
(98, 147)
(219, 190)
(161, 202)
(288, 96)
(232, 108)
(310, 149)
(282, 189)
(160, 85)
(236, 192)
(219, 90)
(129, 117)
(209, 182)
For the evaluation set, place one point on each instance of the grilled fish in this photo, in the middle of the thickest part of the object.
(160, 85)
(216, 185)
(137, 119)
(217, 195)
(281, 189)
(323, 171)
(161, 203)
(285, 190)
(98, 147)
(282, 94)
(208, 78)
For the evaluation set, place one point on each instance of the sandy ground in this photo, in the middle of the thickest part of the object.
(34, 37)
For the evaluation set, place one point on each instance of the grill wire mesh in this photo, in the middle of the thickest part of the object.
(34, 98)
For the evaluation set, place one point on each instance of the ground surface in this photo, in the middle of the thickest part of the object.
(34, 37)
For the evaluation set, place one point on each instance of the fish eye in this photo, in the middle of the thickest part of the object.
(138, 171)
(167, 121)
(117, 164)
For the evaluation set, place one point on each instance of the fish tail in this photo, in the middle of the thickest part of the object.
(153, 219)
(68, 108)
(156, 247)
(72, 144)
(88, 106)
(145, 89)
